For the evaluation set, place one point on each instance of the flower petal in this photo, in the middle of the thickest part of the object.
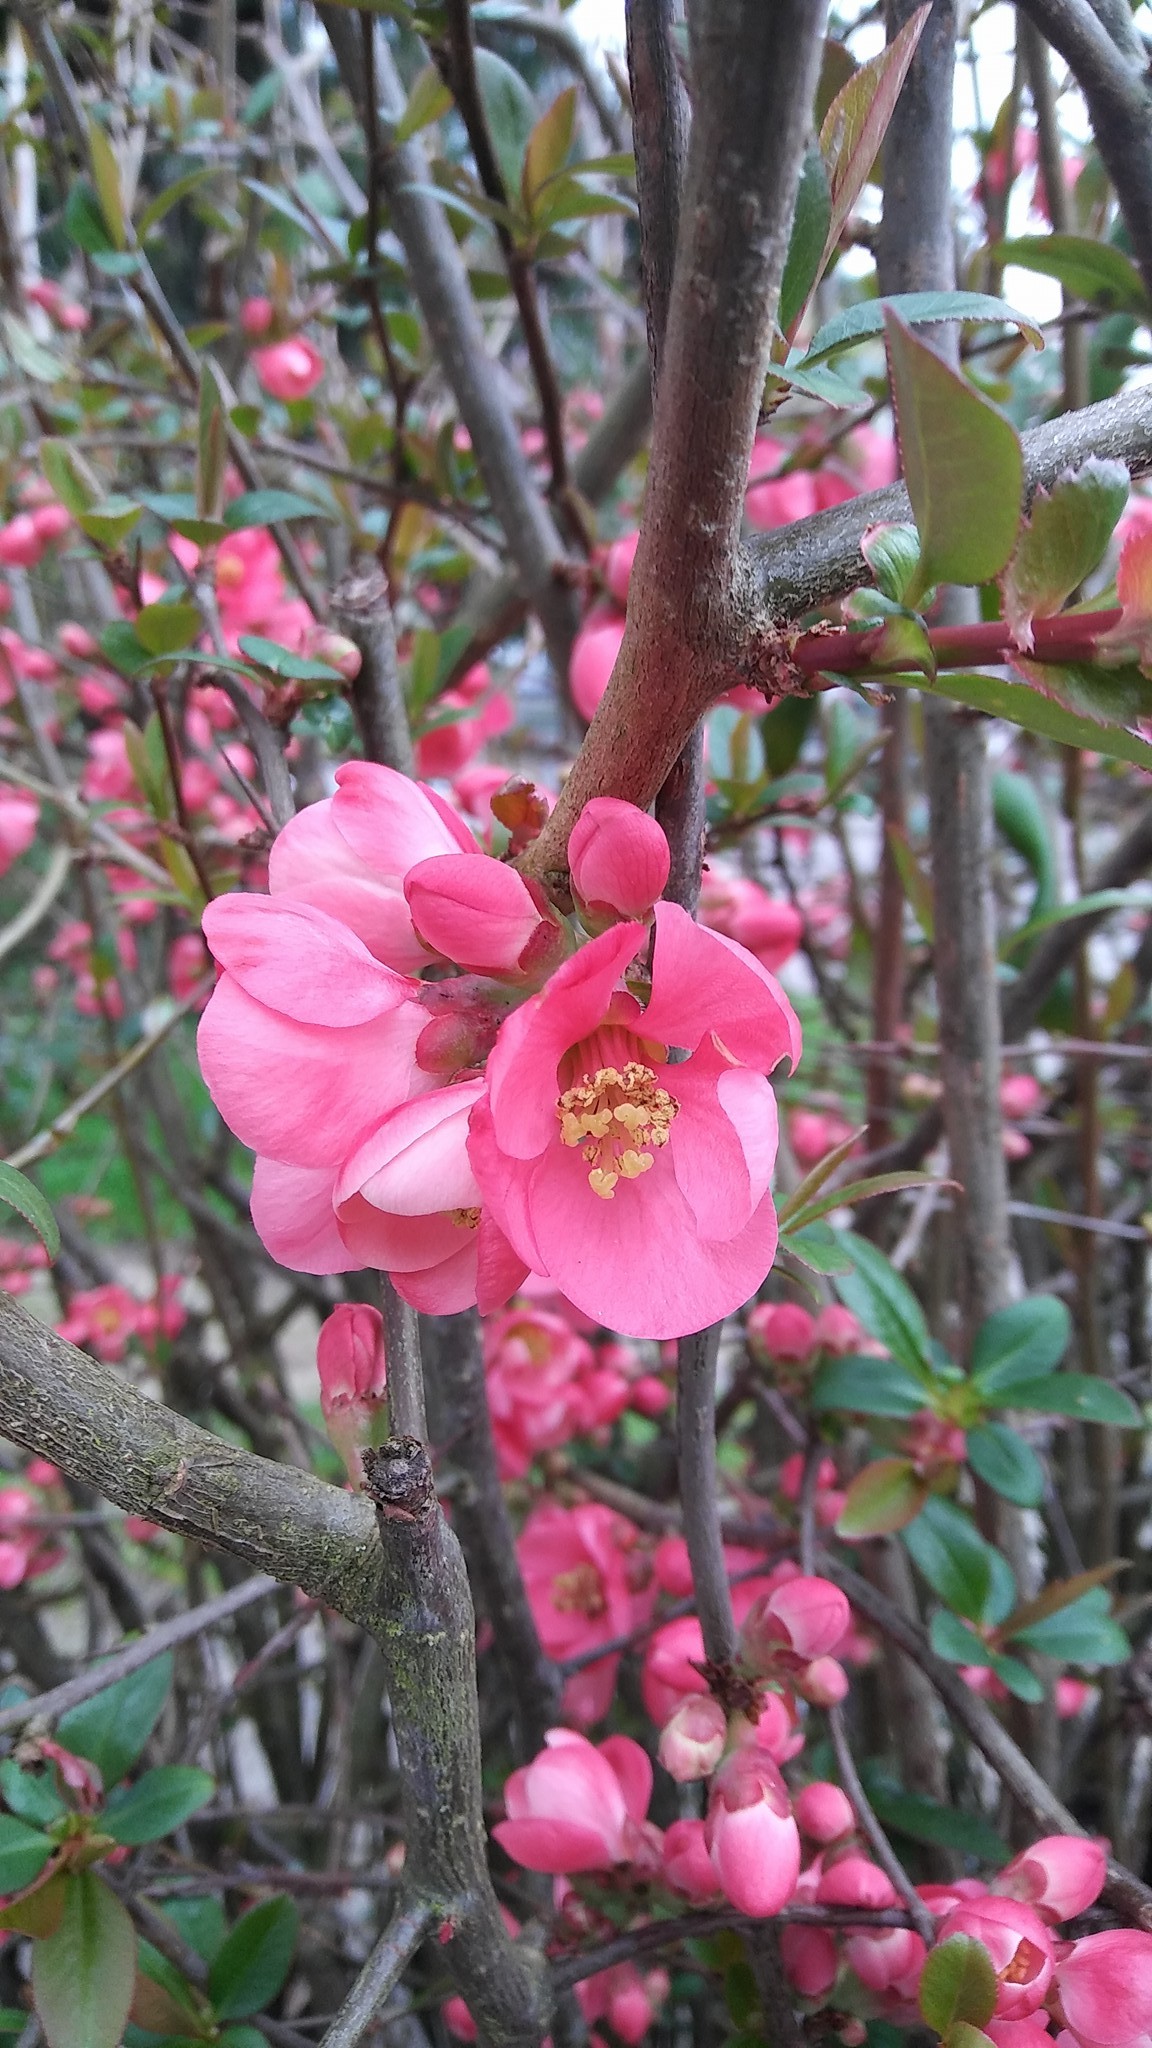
(391, 822)
(313, 862)
(522, 1069)
(294, 1218)
(299, 962)
(703, 982)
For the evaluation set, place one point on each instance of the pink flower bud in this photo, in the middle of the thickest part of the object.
(594, 654)
(338, 651)
(1105, 1989)
(781, 1333)
(837, 1330)
(1020, 1095)
(807, 1616)
(855, 1881)
(618, 566)
(353, 1369)
(692, 1742)
(73, 318)
(752, 1837)
(256, 316)
(20, 545)
(650, 1396)
(823, 1683)
(77, 641)
(619, 861)
(288, 369)
(1059, 1876)
(810, 1961)
(824, 1813)
(1019, 1945)
(51, 521)
(687, 1866)
(482, 915)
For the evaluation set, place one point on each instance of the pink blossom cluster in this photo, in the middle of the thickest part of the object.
(444, 1078)
(26, 1549)
(18, 1262)
(108, 1320)
(547, 1384)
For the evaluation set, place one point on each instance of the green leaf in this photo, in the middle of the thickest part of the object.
(548, 148)
(952, 1639)
(1084, 906)
(31, 1795)
(1021, 1342)
(106, 172)
(254, 1961)
(123, 649)
(850, 1192)
(427, 101)
(810, 225)
(916, 883)
(892, 553)
(884, 1303)
(1082, 1633)
(269, 508)
(13, 2019)
(869, 317)
(1062, 539)
(18, 1192)
(962, 464)
(1097, 271)
(1006, 1463)
(1078, 1394)
(282, 662)
(925, 1820)
(953, 1557)
(38, 1912)
(165, 627)
(958, 1982)
(818, 1247)
(30, 355)
(157, 1803)
(962, 2035)
(23, 1853)
(1022, 705)
(84, 221)
(171, 195)
(887, 1495)
(113, 1726)
(211, 445)
(67, 477)
(857, 120)
(83, 1975)
(511, 114)
(866, 1386)
(110, 521)
(1023, 820)
(242, 2037)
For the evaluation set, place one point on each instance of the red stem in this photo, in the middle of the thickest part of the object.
(1071, 636)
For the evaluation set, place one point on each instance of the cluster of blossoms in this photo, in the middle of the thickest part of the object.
(444, 1078)
(107, 1320)
(26, 1550)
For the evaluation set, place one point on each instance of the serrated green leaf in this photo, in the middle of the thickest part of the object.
(868, 317)
(1062, 539)
(953, 1557)
(884, 1303)
(886, 1496)
(810, 225)
(963, 465)
(255, 1959)
(818, 1247)
(1006, 1463)
(282, 662)
(1093, 270)
(427, 101)
(157, 1803)
(958, 1983)
(19, 1193)
(113, 1726)
(24, 1851)
(866, 1386)
(1077, 1394)
(83, 1975)
(269, 508)
(1021, 704)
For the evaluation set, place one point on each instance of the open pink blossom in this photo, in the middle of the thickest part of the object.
(407, 1202)
(1061, 1875)
(349, 855)
(19, 817)
(1105, 1989)
(619, 860)
(578, 1566)
(1019, 1945)
(744, 911)
(752, 1837)
(288, 369)
(640, 1186)
(576, 1807)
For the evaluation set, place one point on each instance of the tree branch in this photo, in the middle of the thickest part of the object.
(362, 609)
(410, 1922)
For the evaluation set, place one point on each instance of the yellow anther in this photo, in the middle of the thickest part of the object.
(618, 1117)
(603, 1184)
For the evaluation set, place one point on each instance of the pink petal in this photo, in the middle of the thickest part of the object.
(500, 1271)
(399, 1244)
(313, 862)
(445, 1289)
(633, 1767)
(391, 822)
(417, 1161)
(556, 1846)
(300, 962)
(296, 1092)
(294, 1218)
(522, 1069)
(703, 982)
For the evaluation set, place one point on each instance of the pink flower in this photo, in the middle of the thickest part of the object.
(687, 1866)
(575, 1563)
(824, 1813)
(781, 1333)
(619, 861)
(777, 500)
(288, 369)
(574, 1807)
(814, 1133)
(1030, 2033)
(626, 1998)
(349, 854)
(692, 1740)
(256, 316)
(20, 544)
(1060, 1876)
(407, 1202)
(640, 1187)
(670, 1674)
(1105, 1990)
(1019, 1945)
(19, 817)
(855, 1881)
(594, 653)
(810, 1961)
(353, 1369)
(753, 1839)
(618, 566)
(534, 1363)
(743, 911)
(806, 1617)
(483, 916)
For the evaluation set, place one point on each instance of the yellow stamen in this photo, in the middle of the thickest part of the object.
(619, 1116)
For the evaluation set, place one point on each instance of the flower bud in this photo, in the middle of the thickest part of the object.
(20, 545)
(823, 1683)
(618, 566)
(692, 1742)
(288, 369)
(1060, 1876)
(619, 861)
(752, 1837)
(805, 1616)
(824, 1813)
(353, 1369)
(337, 651)
(593, 659)
(781, 1333)
(256, 316)
(484, 916)
(687, 1866)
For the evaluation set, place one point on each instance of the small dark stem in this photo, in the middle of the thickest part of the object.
(878, 1841)
(410, 1922)
(362, 609)
(405, 1368)
(699, 1495)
